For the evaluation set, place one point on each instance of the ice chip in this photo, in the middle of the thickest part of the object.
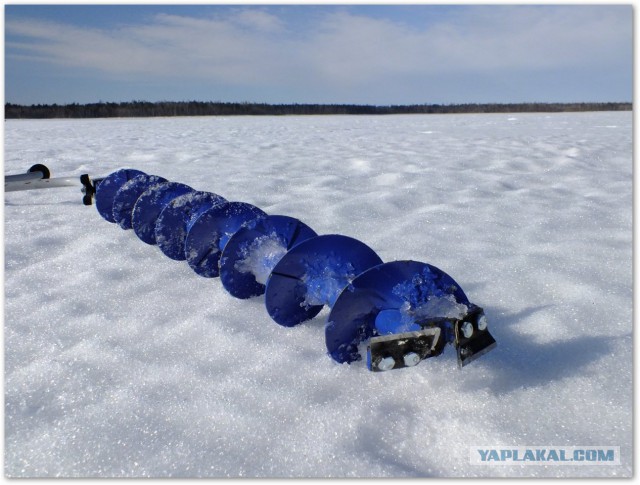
(325, 279)
(261, 256)
(441, 307)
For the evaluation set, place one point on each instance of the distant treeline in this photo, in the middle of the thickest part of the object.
(198, 108)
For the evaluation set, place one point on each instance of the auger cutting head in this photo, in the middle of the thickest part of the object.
(405, 311)
(471, 340)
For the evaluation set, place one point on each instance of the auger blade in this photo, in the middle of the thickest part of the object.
(210, 232)
(403, 349)
(108, 188)
(253, 251)
(477, 341)
(312, 274)
(127, 196)
(176, 219)
(149, 206)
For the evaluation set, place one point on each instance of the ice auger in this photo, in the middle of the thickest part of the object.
(402, 311)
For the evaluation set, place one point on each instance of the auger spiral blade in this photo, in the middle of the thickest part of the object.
(209, 233)
(175, 221)
(127, 195)
(253, 251)
(150, 204)
(312, 274)
(108, 188)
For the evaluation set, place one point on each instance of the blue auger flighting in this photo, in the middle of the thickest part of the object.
(398, 313)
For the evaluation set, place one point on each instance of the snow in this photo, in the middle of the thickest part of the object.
(121, 362)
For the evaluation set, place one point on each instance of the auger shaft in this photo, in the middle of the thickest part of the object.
(39, 177)
(33, 183)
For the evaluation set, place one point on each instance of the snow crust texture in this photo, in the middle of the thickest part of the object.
(121, 362)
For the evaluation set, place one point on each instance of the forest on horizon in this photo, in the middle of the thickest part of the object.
(141, 109)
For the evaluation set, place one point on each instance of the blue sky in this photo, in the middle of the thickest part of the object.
(369, 54)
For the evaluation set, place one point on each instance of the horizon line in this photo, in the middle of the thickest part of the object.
(296, 103)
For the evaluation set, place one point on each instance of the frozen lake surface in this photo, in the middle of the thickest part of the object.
(120, 362)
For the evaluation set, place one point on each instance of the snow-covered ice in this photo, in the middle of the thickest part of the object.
(122, 362)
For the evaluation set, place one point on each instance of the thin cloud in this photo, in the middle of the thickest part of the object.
(255, 47)
(480, 39)
(260, 21)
